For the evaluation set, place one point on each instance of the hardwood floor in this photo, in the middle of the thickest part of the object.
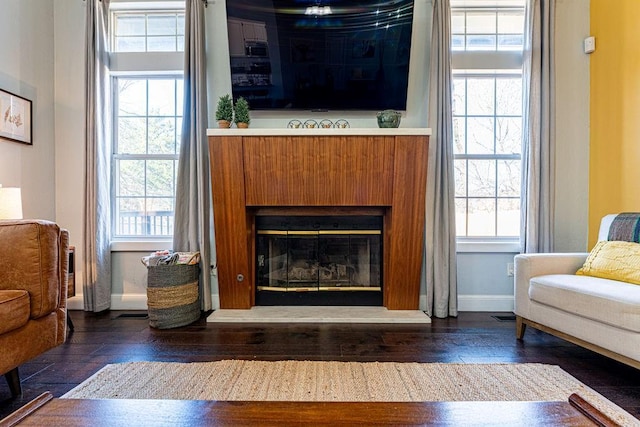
(115, 336)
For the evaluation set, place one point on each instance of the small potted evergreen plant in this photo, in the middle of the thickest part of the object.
(241, 113)
(224, 112)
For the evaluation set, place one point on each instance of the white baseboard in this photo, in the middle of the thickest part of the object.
(129, 302)
(76, 303)
(465, 302)
(478, 302)
(485, 302)
(118, 302)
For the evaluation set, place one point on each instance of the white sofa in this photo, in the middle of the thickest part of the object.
(602, 315)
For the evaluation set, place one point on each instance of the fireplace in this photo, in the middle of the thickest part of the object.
(318, 260)
(319, 172)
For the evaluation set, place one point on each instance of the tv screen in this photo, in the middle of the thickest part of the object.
(320, 55)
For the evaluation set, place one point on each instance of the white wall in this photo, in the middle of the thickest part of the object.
(69, 18)
(52, 180)
(26, 69)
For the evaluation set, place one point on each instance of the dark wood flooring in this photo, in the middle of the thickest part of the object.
(116, 336)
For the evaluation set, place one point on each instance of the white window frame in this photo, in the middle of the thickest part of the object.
(143, 65)
(476, 63)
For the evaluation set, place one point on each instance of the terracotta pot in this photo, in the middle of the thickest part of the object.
(224, 124)
(242, 125)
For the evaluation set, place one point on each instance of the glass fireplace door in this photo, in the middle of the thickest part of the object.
(319, 260)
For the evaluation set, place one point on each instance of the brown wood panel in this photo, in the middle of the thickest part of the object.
(405, 224)
(150, 412)
(318, 170)
(230, 222)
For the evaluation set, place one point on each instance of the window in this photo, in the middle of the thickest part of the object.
(487, 119)
(147, 92)
(146, 147)
(143, 31)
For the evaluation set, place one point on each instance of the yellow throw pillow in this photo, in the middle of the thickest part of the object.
(614, 260)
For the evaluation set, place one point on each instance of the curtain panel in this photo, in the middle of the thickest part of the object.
(440, 263)
(96, 232)
(538, 139)
(192, 225)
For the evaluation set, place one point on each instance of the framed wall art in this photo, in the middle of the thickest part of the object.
(15, 118)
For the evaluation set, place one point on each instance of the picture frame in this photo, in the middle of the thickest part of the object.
(15, 118)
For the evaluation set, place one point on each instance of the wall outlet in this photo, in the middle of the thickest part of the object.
(510, 269)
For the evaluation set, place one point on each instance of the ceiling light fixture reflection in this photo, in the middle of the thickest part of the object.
(318, 10)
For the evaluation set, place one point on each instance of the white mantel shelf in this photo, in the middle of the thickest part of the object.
(319, 132)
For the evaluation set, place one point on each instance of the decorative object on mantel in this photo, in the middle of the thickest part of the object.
(388, 119)
(224, 112)
(310, 124)
(15, 117)
(241, 113)
(324, 123)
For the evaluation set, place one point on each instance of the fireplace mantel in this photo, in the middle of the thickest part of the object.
(319, 171)
(320, 132)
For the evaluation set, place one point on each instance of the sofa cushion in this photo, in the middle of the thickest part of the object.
(14, 310)
(616, 260)
(604, 300)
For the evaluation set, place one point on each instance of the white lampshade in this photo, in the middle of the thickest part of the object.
(10, 203)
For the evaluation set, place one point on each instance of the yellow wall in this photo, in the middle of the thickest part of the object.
(614, 167)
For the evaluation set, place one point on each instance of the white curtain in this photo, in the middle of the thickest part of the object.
(192, 212)
(96, 235)
(538, 158)
(439, 265)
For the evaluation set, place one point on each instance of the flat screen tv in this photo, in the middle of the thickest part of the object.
(320, 55)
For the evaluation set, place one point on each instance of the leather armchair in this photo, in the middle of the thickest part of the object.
(33, 293)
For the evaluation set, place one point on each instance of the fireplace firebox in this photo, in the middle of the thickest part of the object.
(319, 260)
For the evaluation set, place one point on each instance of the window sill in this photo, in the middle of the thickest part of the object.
(488, 246)
(140, 245)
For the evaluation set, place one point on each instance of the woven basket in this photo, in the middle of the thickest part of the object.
(172, 295)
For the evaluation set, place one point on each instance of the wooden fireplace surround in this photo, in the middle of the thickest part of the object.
(319, 172)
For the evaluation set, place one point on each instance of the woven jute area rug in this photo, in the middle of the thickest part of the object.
(340, 381)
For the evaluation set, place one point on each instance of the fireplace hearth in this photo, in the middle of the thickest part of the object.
(319, 260)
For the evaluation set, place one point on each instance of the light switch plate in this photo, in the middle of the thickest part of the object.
(589, 44)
